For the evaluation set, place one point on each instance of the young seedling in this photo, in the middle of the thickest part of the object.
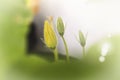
(82, 41)
(61, 30)
(50, 38)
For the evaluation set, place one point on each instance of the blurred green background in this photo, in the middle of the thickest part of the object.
(15, 64)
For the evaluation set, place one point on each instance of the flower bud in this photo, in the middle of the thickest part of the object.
(82, 39)
(49, 36)
(60, 26)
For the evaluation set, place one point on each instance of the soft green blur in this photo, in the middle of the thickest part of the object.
(16, 65)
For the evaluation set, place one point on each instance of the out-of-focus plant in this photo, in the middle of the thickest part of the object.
(61, 30)
(33, 5)
(50, 38)
(82, 41)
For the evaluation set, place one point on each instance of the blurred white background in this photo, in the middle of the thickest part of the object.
(100, 18)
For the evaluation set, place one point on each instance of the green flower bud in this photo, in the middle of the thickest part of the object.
(49, 35)
(60, 26)
(82, 39)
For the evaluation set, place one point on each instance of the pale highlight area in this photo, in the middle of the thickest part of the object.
(101, 58)
(105, 49)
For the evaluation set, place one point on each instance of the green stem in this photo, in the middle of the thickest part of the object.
(55, 54)
(83, 51)
(66, 48)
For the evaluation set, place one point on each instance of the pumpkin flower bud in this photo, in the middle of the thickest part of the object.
(82, 39)
(49, 36)
(60, 26)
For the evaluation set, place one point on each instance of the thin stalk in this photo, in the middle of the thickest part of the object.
(66, 48)
(83, 51)
(55, 54)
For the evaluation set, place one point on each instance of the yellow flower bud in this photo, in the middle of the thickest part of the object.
(49, 35)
